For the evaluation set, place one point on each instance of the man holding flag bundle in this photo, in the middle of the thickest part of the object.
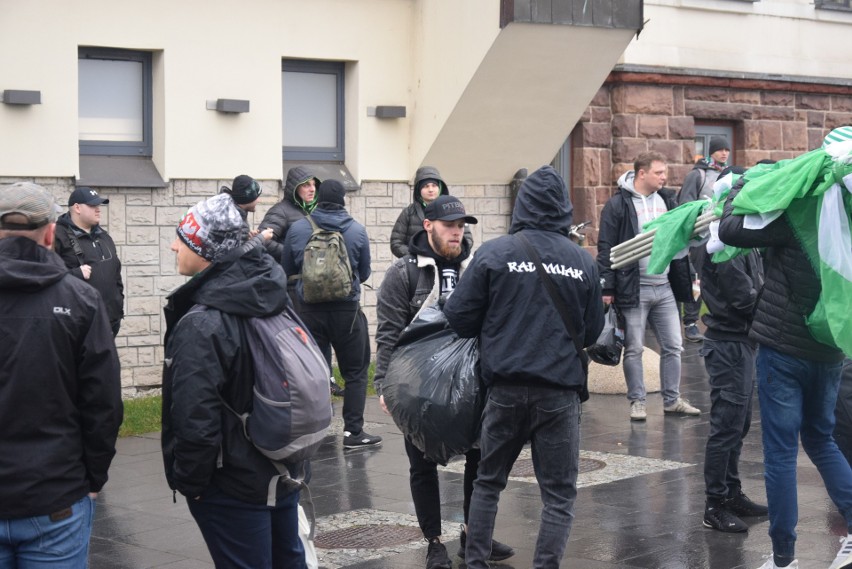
(800, 211)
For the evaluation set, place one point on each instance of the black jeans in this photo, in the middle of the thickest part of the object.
(425, 492)
(549, 418)
(731, 367)
(346, 331)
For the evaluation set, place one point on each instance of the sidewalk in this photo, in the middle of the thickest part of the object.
(640, 502)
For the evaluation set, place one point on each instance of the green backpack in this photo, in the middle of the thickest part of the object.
(326, 272)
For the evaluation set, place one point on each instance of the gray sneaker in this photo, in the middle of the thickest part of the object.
(692, 334)
(637, 411)
(682, 407)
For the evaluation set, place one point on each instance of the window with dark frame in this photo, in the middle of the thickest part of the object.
(312, 110)
(114, 102)
(834, 4)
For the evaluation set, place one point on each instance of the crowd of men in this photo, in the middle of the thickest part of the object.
(532, 327)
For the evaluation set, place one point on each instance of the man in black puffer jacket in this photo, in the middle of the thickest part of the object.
(428, 185)
(60, 391)
(207, 456)
(797, 379)
(529, 360)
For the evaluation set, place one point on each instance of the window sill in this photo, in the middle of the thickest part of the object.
(119, 172)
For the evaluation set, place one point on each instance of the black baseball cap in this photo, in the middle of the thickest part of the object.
(86, 195)
(448, 208)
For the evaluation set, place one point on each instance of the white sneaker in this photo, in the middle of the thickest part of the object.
(637, 411)
(770, 564)
(844, 556)
(682, 407)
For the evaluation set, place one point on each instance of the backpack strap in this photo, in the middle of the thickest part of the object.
(78, 251)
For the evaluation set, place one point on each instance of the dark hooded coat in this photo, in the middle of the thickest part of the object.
(410, 220)
(288, 211)
(502, 299)
(207, 355)
(60, 384)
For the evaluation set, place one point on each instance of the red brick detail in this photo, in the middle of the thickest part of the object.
(834, 120)
(625, 150)
(653, 126)
(601, 114)
(624, 126)
(815, 102)
(841, 104)
(795, 136)
(777, 99)
(706, 94)
(682, 128)
(672, 149)
(642, 99)
(747, 97)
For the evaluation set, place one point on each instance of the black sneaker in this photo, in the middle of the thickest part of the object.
(362, 439)
(499, 551)
(719, 518)
(741, 505)
(336, 390)
(436, 555)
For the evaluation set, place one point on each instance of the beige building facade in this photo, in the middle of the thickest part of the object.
(158, 105)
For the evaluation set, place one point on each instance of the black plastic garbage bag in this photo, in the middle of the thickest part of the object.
(607, 348)
(432, 387)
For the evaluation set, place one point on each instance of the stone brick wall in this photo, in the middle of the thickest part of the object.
(634, 113)
(142, 222)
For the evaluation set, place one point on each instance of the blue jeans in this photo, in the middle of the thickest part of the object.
(44, 543)
(797, 399)
(657, 306)
(550, 419)
(730, 365)
(240, 535)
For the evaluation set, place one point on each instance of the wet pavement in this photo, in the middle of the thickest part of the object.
(640, 502)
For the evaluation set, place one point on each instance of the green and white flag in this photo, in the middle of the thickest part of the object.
(815, 192)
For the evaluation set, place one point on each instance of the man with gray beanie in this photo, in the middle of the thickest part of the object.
(339, 324)
(60, 407)
(208, 364)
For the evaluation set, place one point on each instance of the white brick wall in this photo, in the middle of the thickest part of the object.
(142, 223)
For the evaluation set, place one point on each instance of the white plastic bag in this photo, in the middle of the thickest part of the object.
(304, 533)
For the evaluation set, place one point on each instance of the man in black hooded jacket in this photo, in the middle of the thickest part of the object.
(207, 456)
(60, 391)
(529, 361)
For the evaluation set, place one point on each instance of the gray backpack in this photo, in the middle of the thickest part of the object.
(326, 272)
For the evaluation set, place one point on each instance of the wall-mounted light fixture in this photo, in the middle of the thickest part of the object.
(18, 97)
(386, 112)
(229, 105)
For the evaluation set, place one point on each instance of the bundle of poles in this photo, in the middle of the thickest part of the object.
(640, 246)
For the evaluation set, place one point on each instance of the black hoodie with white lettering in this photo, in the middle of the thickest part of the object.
(502, 300)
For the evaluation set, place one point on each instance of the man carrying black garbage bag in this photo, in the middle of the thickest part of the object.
(437, 257)
(530, 362)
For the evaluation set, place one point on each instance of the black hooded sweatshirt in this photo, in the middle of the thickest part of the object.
(502, 300)
(60, 384)
(207, 354)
